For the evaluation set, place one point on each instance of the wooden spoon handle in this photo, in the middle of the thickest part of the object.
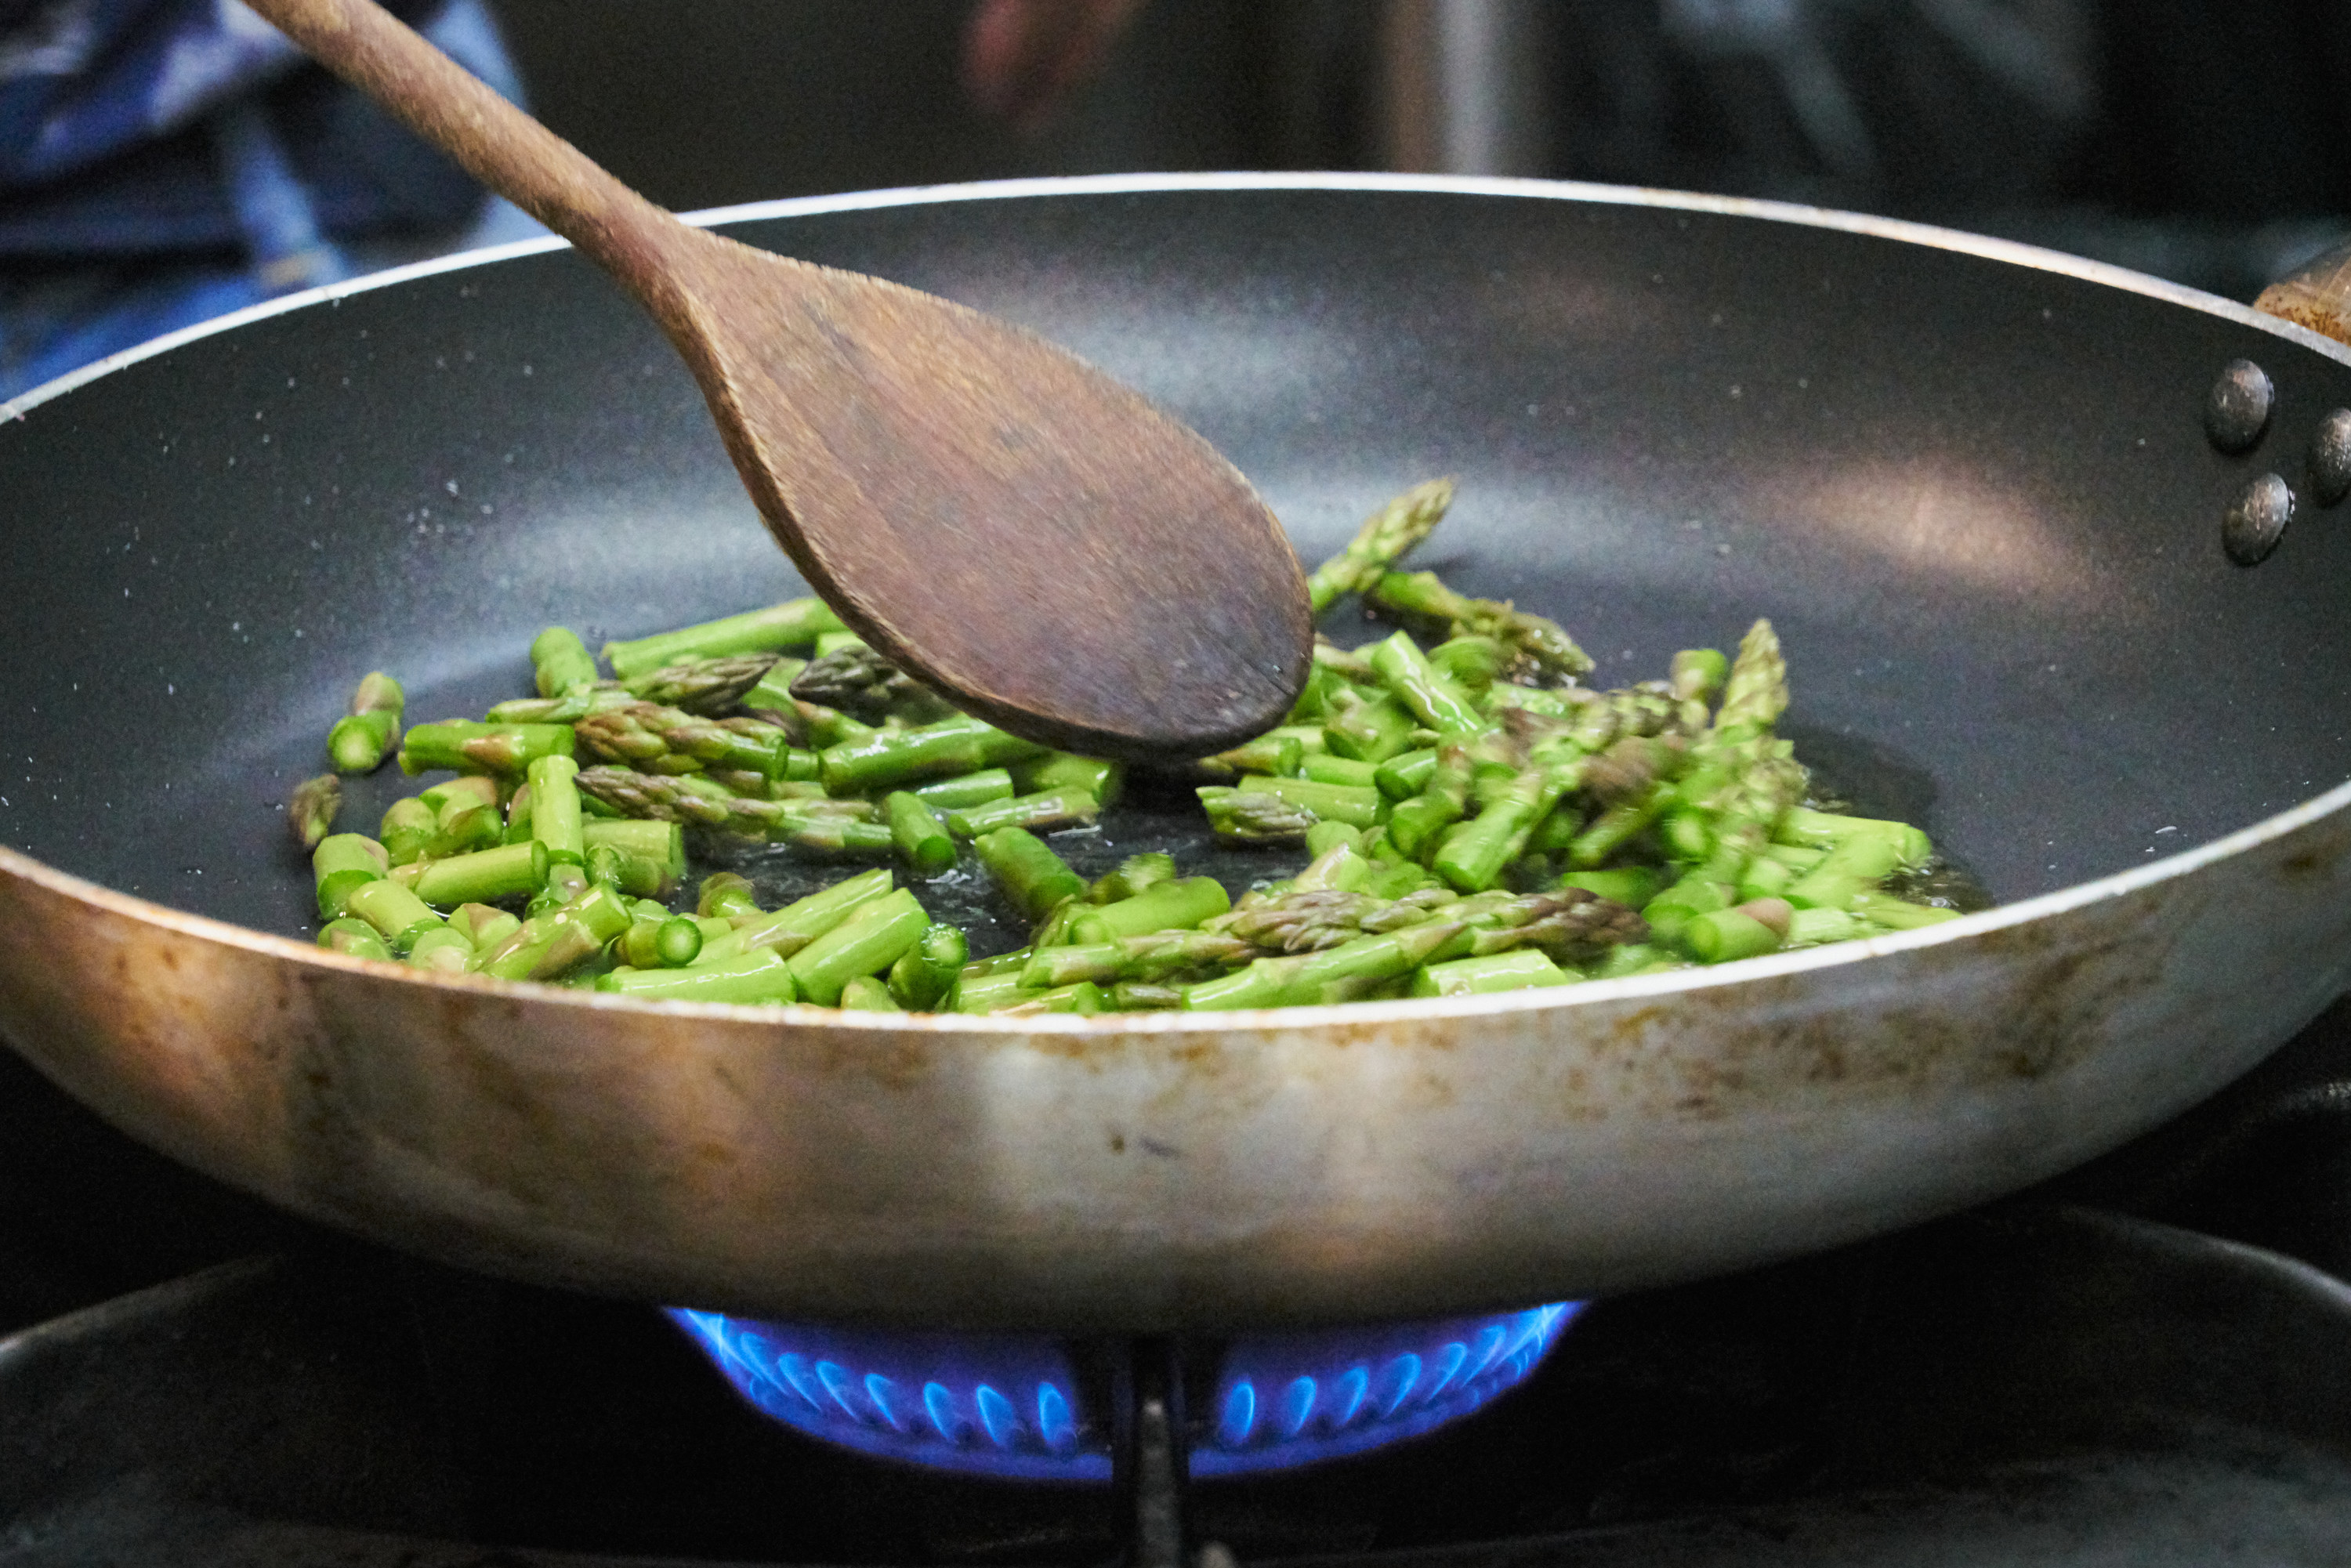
(495, 142)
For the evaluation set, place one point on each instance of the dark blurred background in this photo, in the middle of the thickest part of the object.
(2208, 140)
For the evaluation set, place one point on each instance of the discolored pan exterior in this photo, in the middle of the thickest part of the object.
(1968, 484)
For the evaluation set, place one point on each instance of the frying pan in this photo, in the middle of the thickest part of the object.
(1968, 483)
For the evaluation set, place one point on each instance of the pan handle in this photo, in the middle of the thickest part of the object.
(2317, 296)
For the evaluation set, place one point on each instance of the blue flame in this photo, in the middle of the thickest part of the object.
(859, 1389)
(1348, 1391)
(1005, 1405)
(1240, 1416)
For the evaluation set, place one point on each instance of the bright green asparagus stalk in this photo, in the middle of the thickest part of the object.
(1272, 753)
(1102, 779)
(657, 739)
(795, 624)
(560, 661)
(1522, 969)
(1339, 974)
(924, 974)
(1414, 824)
(654, 853)
(1149, 958)
(705, 687)
(483, 927)
(569, 709)
(1472, 662)
(555, 809)
(827, 825)
(1892, 914)
(893, 760)
(773, 690)
(607, 867)
(339, 864)
(1135, 874)
(1406, 774)
(1310, 922)
(1324, 684)
(445, 951)
(354, 938)
(1697, 678)
(1142, 995)
(1154, 957)
(794, 925)
(310, 810)
(702, 687)
(1756, 693)
(921, 838)
(565, 882)
(1827, 829)
(872, 938)
(398, 914)
(1341, 866)
(1762, 782)
(485, 876)
(1052, 808)
(1632, 767)
(1027, 872)
(1542, 642)
(559, 940)
(759, 978)
(1743, 779)
(504, 749)
(868, 994)
(658, 942)
(1631, 886)
(830, 833)
(1255, 818)
(1368, 729)
(861, 681)
(1617, 826)
(1432, 697)
(1358, 806)
(1569, 924)
(967, 790)
(1350, 666)
(1383, 540)
(1643, 708)
(1178, 904)
(1472, 855)
(1851, 868)
(726, 896)
(1745, 931)
(812, 725)
(453, 818)
(1083, 998)
(363, 737)
(409, 830)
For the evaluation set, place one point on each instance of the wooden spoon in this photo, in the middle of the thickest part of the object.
(1029, 537)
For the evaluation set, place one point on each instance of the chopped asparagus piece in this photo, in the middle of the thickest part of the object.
(795, 624)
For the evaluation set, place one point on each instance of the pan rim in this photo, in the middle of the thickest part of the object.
(17, 865)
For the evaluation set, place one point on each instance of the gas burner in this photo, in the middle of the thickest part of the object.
(1008, 1405)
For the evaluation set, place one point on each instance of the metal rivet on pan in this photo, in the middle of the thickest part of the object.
(2256, 519)
(2236, 410)
(2330, 458)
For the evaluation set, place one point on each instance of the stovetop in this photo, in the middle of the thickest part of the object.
(2148, 1361)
